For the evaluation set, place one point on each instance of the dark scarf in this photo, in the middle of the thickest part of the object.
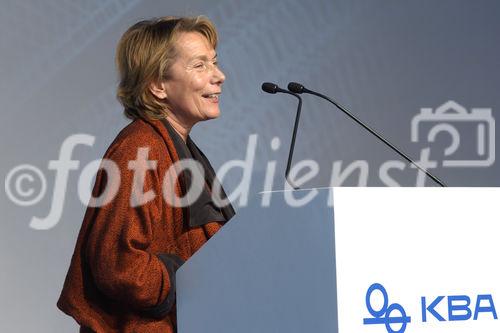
(203, 210)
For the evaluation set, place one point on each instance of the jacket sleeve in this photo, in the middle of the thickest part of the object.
(119, 239)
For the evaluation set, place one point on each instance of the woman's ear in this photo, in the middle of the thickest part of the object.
(158, 89)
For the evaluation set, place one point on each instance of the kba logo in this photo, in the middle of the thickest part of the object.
(433, 310)
(384, 314)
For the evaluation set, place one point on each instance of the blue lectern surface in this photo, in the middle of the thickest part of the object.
(270, 269)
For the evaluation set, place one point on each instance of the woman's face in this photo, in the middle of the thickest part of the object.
(194, 82)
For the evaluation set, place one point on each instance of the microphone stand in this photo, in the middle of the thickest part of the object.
(272, 88)
(299, 89)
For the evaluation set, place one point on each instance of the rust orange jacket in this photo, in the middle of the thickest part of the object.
(122, 273)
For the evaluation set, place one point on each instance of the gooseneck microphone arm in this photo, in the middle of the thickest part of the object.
(299, 89)
(272, 88)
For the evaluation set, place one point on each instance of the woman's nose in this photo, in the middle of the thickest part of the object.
(218, 75)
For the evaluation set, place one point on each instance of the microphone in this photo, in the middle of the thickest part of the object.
(298, 88)
(273, 88)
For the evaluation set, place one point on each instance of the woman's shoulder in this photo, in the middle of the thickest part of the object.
(136, 135)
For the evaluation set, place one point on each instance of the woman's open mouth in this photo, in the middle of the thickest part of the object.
(212, 97)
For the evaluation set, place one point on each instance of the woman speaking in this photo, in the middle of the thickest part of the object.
(141, 224)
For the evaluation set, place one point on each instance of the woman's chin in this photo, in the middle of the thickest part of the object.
(212, 114)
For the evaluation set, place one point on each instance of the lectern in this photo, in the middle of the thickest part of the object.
(349, 260)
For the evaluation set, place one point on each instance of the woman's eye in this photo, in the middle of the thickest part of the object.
(200, 65)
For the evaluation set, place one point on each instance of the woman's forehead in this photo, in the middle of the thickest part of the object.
(193, 45)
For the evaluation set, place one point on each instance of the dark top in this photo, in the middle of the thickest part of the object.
(205, 208)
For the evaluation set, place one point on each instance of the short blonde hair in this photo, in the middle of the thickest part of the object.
(144, 55)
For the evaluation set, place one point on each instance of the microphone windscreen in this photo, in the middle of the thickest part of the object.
(296, 87)
(269, 87)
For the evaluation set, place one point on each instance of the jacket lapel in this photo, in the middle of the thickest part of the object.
(227, 210)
